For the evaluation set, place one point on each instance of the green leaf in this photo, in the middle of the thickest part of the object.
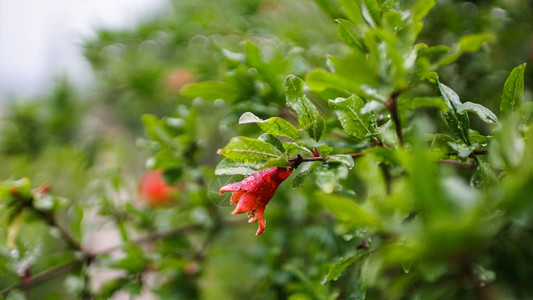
(246, 150)
(345, 78)
(483, 175)
(211, 91)
(274, 125)
(155, 129)
(352, 11)
(484, 113)
(308, 116)
(457, 121)
(347, 210)
(292, 149)
(336, 270)
(328, 175)
(429, 51)
(418, 102)
(347, 34)
(228, 167)
(267, 137)
(422, 8)
(513, 91)
(467, 43)
(353, 121)
(373, 9)
(344, 159)
(112, 286)
(300, 178)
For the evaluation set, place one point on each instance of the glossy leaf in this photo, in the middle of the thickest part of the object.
(484, 113)
(274, 125)
(336, 270)
(228, 167)
(374, 10)
(308, 116)
(353, 121)
(483, 175)
(246, 150)
(513, 91)
(458, 121)
(269, 138)
(348, 35)
(344, 159)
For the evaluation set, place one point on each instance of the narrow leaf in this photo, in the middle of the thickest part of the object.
(336, 270)
(421, 9)
(513, 91)
(348, 36)
(484, 113)
(352, 11)
(457, 121)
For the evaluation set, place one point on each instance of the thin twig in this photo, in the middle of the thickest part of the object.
(296, 161)
(392, 106)
(43, 276)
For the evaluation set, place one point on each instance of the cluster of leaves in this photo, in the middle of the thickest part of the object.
(400, 189)
(408, 206)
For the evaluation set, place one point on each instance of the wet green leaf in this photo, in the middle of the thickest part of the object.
(336, 270)
(513, 91)
(353, 121)
(484, 113)
(458, 121)
(308, 116)
(246, 150)
(274, 125)
(483, 175)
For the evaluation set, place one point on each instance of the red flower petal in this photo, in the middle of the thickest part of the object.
(252, 194)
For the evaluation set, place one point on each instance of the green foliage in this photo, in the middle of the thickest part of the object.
(399, 189)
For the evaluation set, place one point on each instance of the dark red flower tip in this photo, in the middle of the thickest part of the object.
(252, 194)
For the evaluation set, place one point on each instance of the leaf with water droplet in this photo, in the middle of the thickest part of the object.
(336, 269)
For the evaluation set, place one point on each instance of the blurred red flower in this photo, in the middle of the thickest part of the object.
(154, 190)
(253, 193)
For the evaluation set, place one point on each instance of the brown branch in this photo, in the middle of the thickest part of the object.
(296, 161)
(43, 276)
(87, 259)
(392, 106)
(47, 216)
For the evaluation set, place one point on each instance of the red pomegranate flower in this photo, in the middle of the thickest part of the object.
(154, 190)
(253, 193)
